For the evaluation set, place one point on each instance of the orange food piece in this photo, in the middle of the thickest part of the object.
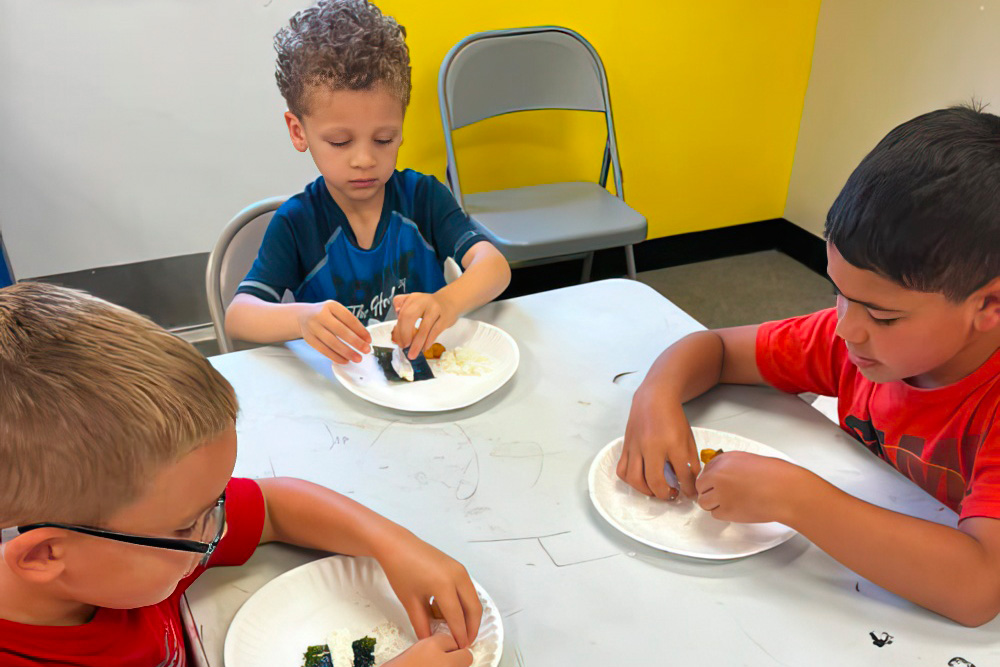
(707, 455)
(434, 351)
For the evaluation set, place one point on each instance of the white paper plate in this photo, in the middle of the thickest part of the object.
(680, 526)
(300, 608)
(445, 391)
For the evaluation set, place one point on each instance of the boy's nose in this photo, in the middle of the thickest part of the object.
(362, 159)
(848, 326)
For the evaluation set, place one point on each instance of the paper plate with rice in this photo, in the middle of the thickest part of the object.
(478, 359)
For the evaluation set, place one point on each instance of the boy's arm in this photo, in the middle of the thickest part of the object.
(308, 515)
(657, 430)
(327, 326)
(486, 274)
(955, 573)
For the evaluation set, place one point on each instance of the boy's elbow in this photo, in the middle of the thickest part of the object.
(235, 319)
(504, 273)
(975, 617)
(977, 608)
(231, 320)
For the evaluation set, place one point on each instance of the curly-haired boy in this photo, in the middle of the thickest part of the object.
(363, 240)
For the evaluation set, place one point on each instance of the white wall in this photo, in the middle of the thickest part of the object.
(876, 64)
(135, 129)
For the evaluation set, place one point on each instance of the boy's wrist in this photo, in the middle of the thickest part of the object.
(448, 304)
(807, 496)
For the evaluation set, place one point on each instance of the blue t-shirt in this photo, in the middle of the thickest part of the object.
(310, 249)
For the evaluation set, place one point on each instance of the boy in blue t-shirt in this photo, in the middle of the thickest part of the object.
(363, 240)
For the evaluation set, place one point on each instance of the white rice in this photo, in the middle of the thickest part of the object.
(389, 643)
(463, 361)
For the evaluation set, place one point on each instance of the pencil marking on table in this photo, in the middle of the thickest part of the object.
(516, 611)
(475, 459)
(576, 562)
(333, 441)
(515, 539)
(384, 429)
(541, 466)
(757, 644)
(522, 449)
(621, 375)
(732, 416)
(273, 474)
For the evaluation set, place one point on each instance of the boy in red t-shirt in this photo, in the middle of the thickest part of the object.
(911, 352)
(118, 443)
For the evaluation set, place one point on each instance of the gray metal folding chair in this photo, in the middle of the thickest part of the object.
(232, 258)
(503, 71)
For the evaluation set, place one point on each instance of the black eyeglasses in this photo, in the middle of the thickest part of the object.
(214, 525)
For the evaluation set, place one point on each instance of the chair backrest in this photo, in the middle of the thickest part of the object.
(497, 72)
(232, 258)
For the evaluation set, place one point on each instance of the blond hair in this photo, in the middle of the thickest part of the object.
(94, 399)
(344, 45)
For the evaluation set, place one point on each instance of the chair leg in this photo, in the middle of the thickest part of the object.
(630, 261)
(588, 263)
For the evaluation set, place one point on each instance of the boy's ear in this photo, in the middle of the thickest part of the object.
(296, 132)
(37, 556)
(987, 300)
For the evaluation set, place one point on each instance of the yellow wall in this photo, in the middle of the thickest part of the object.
(707, 98)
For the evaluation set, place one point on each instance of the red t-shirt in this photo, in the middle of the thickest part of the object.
(145, 637)
(943, 439)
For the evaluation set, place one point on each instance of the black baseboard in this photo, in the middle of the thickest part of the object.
(171, 291)
(776, 234)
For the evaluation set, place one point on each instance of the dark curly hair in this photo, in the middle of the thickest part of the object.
(342, 44)
(923, 208)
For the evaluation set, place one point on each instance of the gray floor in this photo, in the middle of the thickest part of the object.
(746, 289)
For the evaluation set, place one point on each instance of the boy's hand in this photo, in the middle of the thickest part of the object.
(658, 431)
(333, 330)
(749, 488)
(434, 651)
(417, 572)
(435, 312)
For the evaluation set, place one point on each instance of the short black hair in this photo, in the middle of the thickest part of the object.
(923, 208)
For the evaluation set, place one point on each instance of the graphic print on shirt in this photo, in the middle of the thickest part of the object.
(366, 280)
(941, 470)
(173, 646)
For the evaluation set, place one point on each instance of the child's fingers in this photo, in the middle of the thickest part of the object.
(454, 616)
(473, 608)
(709, 499)
(419, 619)
(451, 655)
(325, 350)
(354, 332)
(635, 476)
(622, 466)
(443, 641)
(690, 469)
(653, 466)
(460, 658)
(435, 331)
(335, 344)
(405, 326)
(419, 342)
